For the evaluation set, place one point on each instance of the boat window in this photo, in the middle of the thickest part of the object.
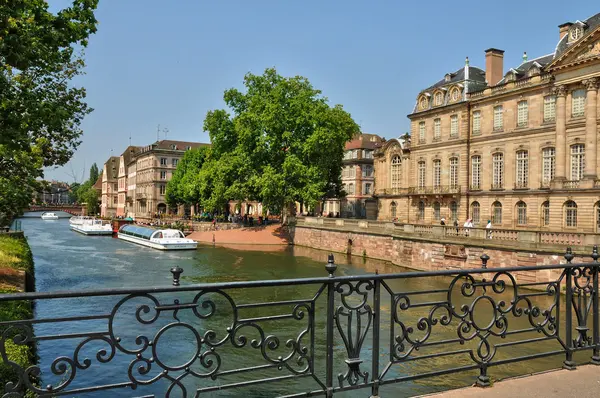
(137, 231)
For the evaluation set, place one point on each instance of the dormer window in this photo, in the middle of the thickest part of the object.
(423, 103)
(455, 94)
(510, 76)
(448, 77)
(575, 33)
(437, 98)
(534, 71)
(173, 146)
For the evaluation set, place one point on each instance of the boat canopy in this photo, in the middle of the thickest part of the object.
(137, 231)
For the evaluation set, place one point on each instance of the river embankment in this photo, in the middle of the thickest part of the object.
(16, 275)
(273, 235)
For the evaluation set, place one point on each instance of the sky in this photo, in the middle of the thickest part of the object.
(166, 63)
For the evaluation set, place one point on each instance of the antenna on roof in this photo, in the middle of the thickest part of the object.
(157, 133)
(467, 61)
(129, 139)
(524, 56)
(166, 131)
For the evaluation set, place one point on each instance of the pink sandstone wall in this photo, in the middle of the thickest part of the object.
(429, 256)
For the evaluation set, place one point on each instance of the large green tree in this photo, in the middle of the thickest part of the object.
(40, 108)
(183, 187)
(282, 143)
(94, 173)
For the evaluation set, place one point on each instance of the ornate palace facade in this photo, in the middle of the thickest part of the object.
(518, 148)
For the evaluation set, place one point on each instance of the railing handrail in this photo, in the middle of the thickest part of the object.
(276, 282)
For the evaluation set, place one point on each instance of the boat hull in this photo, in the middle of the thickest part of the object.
(81, 230)
(159, 246)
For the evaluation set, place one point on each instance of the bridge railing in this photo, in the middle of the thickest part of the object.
(302, 337)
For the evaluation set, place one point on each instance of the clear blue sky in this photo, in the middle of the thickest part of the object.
(168, 62)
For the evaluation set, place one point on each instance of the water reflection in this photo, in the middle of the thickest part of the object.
(66, 260)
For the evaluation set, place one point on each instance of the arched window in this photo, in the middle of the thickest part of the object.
(521, 213)
(421, 215)
(453, 173)
(395, 171)
(437, 173)
(393, 209)
(436, 211)
(570, 214)
(577, 161)
(522, 179)
(476, 172)
(498, 170)
(475, 212)
(496, 213)
(437, 99)
(548, 165)
(546, 213)
(453, 211)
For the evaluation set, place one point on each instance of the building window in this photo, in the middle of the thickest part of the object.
(422, 132)
(455, 94)
(367, 170)
(498, 118)
(423, 102)
(163, 175)
(454, 126)
(521, 213)
(576, 33)
(570, 214)
(453, 173)
(395, 172)
(437, 129)
(496, 213)
(548, 166)
(351, 189)
(438, 98)
(522, 169)
(421, 178)
(454, 211)
(477, 122)
(497, 171)
(476, 172)
(174, 162)
(437, 173)
(421, 214)
(578, 103)
(355, 154)
(163, 161)
(522, 114)
(367, 154)
(546, 213)
(163, 189)
(367, 189)
(475, 212)
(577, 161)
(436, 211)
(393, 209)
(549, 108)
(348, 155)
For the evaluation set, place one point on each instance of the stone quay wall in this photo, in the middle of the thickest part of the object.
(429, 252)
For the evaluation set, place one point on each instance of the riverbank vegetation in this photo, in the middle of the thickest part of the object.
(40, 109)
(283, 143)
(15, 254)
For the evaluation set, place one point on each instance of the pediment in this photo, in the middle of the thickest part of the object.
(585, 50)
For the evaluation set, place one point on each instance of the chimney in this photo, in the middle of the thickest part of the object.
(563, 29)
(494, 66)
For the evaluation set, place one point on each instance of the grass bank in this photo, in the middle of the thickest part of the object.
(15, 254)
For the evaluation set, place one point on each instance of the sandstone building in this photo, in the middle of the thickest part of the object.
(358, 179)
(518, 147)
(109, 198)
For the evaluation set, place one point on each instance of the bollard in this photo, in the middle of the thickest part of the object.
(484, 259)
(176, 271)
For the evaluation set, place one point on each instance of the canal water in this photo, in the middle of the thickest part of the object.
(65, 260)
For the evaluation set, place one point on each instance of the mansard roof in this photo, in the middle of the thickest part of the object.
(365, 141)
(476, 76)
(589, 25)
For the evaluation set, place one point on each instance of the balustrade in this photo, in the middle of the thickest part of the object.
(570, 184)
(322, 337)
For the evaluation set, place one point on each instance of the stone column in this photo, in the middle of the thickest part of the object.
(591, 133)
(561, 132)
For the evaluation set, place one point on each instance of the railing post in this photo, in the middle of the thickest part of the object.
(568, 362)
(595, 308)
(376, 330)
(176, 271)
(330, 267)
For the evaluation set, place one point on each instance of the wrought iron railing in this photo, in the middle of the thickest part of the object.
(331, 333)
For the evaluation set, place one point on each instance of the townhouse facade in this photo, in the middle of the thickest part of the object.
(110, 191)
(518, 148)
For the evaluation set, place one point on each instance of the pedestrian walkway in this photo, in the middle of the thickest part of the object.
(584, 382)
(264, 235)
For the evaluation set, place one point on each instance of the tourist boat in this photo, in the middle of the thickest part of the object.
(90, 226)
(49, 216)
(161, 239)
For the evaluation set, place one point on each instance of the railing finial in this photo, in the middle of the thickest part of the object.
(176, 271)
(484, 259)
(330, 266)
(569, 256)
(595, 254)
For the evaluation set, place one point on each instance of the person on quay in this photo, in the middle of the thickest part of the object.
(488, 230)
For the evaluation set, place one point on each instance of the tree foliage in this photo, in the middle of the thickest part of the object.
(94, 173)
(182, 188)
(40, 109)
(282, 143)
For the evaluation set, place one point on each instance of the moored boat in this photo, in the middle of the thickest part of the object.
(90, 226)
(161, 239)
(49, 216)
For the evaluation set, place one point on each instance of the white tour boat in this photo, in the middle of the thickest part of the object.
(49, 216)
(90, 226)
(161, 239)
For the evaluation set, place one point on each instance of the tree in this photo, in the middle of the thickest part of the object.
(183, 188)
(94, 173)
(40, 108)
(282, 144)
